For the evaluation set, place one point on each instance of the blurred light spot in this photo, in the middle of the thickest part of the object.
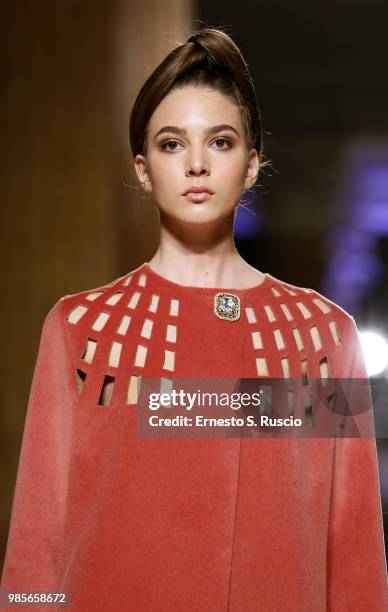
(375, 349)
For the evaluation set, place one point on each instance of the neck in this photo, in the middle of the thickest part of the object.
(200, 254)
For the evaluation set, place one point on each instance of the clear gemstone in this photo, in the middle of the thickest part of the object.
(228, 303)
(227, 306)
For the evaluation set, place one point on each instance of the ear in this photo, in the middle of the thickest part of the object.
(252, 169)
(142, 172)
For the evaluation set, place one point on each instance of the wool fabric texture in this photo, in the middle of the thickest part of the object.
(121, 522)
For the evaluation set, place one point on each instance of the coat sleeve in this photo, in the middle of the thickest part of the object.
(357, 570)
(33, 555)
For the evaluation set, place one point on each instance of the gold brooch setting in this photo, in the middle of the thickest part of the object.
(227, 306)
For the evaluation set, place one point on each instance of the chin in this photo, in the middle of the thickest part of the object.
(197, 213)
(202, 217)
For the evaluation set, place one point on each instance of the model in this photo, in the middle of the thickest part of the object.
(121, 521)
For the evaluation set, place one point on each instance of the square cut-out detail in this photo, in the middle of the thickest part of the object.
(171, 333)
(80, 377)
(166, 385)
(133, 302)
(133, 389)
(304, 310)
(106, 391)
(123, 327)
(146, 330)
(114, 298)
(298, 339)
(286, 312)
(93, 296)
(89, 350)
(324, 370)
(127, 281)
(142, 282)
(174, 307)
(169, 360)
(276, 292)
(251, 317)
(334, 333)
(308, 411)
(331, 401)
(316, 338)
(153, 307)
(269, 313)
(257, 340)
(290, 401)
(290, 291)
(304, 372)
(266, 400)
(76, 314)
(325, 308)
(279, 339)
(114, 355)
(141, 354)
(261, 366)
(285, 367)
(101, 320)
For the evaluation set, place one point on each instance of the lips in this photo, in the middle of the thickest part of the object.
(199, 193)
(198, 196)
(198, 189)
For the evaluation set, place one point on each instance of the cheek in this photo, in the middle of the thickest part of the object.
(164, 173)
(233, 173)
(232, 160)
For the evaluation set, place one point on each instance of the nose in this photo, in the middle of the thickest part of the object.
(197, 162)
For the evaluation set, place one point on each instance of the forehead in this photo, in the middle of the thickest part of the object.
(195, 106)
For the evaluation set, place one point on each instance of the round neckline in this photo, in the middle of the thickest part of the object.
(178, 286)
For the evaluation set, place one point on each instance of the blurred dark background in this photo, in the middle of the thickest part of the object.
(72, 216)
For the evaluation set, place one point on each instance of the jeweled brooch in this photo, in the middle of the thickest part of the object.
(227, 306)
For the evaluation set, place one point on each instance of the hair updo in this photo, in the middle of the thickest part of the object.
(210, 58)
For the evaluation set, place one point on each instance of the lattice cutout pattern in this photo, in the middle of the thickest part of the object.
(287, 324)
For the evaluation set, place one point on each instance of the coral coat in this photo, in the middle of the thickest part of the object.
(121, 522)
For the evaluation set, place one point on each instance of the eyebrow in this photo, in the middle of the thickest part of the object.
(210, 130)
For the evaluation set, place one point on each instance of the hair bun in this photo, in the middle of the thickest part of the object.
(193, 38)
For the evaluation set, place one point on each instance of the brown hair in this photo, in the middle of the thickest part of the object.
(211, 58)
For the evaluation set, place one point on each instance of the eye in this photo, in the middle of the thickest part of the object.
(224, 141)
(165, 145)
(173, 145)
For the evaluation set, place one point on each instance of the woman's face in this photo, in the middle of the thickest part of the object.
(196, 138)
